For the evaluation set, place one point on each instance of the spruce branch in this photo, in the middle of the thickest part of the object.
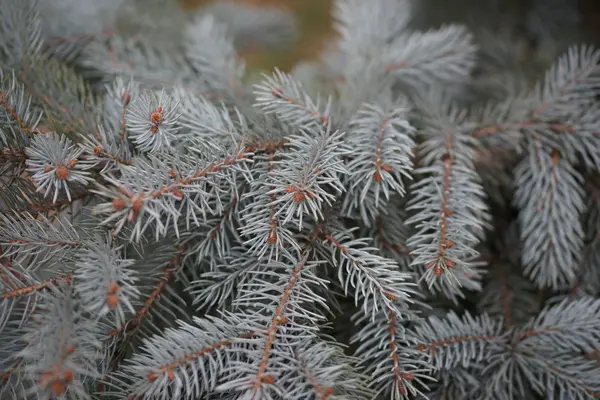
(459, 341)
(177, 182)
(449, 202)
(360, 25)
(152, 122)
(217, 64)
(377, 281)
(566, 326)
(55, 163)
(379, 170)
(21, 32)
(39, 240)
(283, 95)
(220, 286)
(19, 119)
(388, 355)
(52, 84)
(308, 174)
(162, 270)
(251, 238)
(186, 361)
(262, 222)
(550, 199)
(560, 111)
(280, 304)
(62, 347)
(439, 56)
(105, 282)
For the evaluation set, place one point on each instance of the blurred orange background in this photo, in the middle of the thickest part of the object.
(314, 22)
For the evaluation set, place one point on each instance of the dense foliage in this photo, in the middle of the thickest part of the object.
(414, 215)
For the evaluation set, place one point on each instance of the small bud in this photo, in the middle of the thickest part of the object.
(177, 194)
(137, 206)
(68, 376)
(156, 117)
(62, 172)
(299, 197)
(46, 378)
(377, 177)
(113, 288)
(118, 204)
(555, 157)
(58, 388)
(112, 301)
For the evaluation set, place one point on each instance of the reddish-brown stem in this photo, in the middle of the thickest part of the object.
(13, 114)
(215, 231)
(405, 64)
(12, 156)
(49, 243)
(169, 370)
(278, 320)
(431, 347)
(535, 115)
(399, 376)
(272, 239)
(47, 208)
(278, 93)
(101, 152)
(132, 325)
(175, 186)
(379, 155)
(532, 333)
(324, 392)
(35, 288)
(440, 262)
(346, 253)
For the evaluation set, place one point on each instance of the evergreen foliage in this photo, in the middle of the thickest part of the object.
(415, 215)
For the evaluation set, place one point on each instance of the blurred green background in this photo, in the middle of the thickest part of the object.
(315, 25)
(314, 22)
